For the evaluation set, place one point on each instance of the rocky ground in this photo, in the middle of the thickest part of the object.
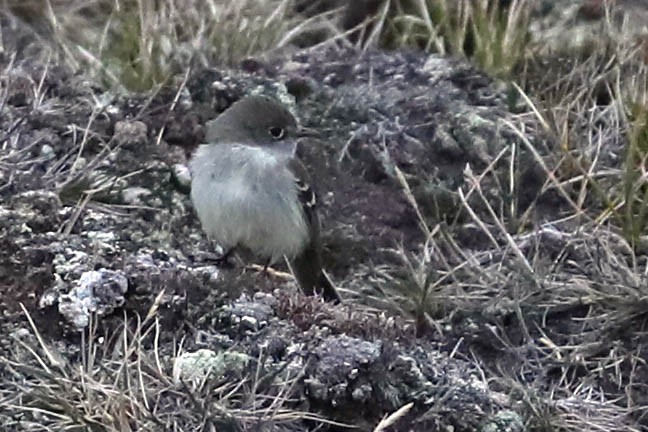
(104, 268)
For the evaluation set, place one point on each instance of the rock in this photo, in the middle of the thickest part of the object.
(199, 366)
(249, 315)
(504, 421)
(99, 292)
(136, 195)
(130, 133)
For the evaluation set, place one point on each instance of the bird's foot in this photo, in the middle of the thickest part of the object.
(266, 270)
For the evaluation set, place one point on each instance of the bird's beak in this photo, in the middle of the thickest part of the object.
(304, 132)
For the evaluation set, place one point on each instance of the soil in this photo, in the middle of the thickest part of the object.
(92, 189)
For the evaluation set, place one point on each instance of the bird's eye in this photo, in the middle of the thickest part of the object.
(277, 132)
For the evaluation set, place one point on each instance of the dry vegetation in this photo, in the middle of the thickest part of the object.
(583, 270)
(121, 382)
(139, 44)
(494, 38)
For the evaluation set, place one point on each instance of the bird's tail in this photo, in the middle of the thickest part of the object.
(307, 269)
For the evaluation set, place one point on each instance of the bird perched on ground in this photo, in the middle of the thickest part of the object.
(250, 190)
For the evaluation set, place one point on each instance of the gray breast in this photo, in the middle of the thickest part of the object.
(246, 196)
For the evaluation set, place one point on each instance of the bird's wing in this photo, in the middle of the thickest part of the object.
(306, 194)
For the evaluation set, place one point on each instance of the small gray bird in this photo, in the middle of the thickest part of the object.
(250, 190)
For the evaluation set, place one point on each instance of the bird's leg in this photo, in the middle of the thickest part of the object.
(267, 264)
(268, 271)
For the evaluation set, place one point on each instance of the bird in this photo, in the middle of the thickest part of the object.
(250, 190)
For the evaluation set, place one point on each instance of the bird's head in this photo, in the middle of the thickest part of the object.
(255, 120)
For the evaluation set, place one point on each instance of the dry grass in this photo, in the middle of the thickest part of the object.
(566, 297)
(494, 38)
(561, 302)
(125, 383)
(138, 44)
